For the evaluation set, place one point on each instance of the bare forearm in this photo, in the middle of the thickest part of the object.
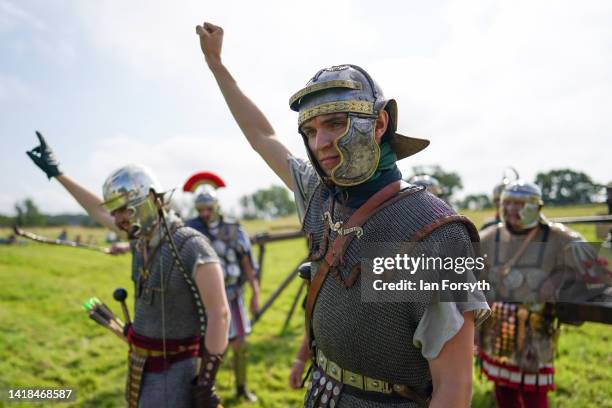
(452, 394)
(303, 353)
(216, 333)
(89, 201)
(250, 273)
(209, 280)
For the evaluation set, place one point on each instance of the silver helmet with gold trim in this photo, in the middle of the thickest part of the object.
(130, 187)
(350, 89)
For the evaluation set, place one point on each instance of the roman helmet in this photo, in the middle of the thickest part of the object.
(350, 89)
(531, 197)
(430, 183)
(205, 184)
(207, 197)
(129, 187)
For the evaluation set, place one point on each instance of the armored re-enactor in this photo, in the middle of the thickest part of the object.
(233, 247)
(365, 354)
(179, 292)
(531, 260)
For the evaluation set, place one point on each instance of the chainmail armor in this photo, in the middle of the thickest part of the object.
(374, 338)
(180, 313)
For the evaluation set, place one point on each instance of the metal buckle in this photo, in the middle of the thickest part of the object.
(352, 379)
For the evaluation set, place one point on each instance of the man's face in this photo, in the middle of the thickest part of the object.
(205, 212)
(321, 132)
(122, 218)
(511, 212)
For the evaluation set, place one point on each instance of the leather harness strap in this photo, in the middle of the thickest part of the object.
(334, 255)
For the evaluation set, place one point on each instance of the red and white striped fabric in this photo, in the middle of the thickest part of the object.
(511, 376)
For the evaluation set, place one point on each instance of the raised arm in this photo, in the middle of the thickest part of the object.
(45, 159)
(251, 120)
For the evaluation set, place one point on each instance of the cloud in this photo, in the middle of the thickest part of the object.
(515, 83)
(12, 16)
(178, 157)
(13, 89)
(521, 83)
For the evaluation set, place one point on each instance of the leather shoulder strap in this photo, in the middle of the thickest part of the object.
(334, 254)
(429, 228)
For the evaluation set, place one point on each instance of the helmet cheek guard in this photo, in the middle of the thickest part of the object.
(359, 153)
(142, 218)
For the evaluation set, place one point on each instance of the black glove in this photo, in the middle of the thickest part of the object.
(43, 157)
(204, 395)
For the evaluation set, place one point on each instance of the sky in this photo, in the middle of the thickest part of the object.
(492, 84)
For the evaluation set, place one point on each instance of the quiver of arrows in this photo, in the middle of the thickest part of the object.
(101, 314)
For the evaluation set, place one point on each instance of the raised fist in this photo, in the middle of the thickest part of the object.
(211, 42)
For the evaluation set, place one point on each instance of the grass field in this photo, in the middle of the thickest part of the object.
(46, 339)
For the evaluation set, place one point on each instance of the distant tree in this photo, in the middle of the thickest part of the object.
(475, 202)
(28, 214)
(450, 182)
(270, 202)
(566, 186)
(6, 221)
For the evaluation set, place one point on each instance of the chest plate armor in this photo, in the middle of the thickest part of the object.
(517, 331)
(224, 240)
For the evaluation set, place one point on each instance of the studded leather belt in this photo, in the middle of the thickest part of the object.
(359, 381)
(156, 353)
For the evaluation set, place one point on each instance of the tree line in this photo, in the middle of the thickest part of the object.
(559, 187)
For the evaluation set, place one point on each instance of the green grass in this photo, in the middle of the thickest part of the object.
(46, 340)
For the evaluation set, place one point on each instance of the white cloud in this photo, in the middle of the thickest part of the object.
(11, 16)
(13, 89)
(517, 83)
(514, 82)
(178, 157)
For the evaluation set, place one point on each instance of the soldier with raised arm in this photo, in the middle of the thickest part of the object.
(374, 354)
(179, 290)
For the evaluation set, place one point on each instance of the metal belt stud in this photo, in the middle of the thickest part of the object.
(334, 371)
(321, 360)
(377, 385)
(353, 379)
(347, 377)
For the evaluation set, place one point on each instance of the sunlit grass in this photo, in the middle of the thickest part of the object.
(47, 340)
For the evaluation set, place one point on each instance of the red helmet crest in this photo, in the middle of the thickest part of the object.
(202, 178)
